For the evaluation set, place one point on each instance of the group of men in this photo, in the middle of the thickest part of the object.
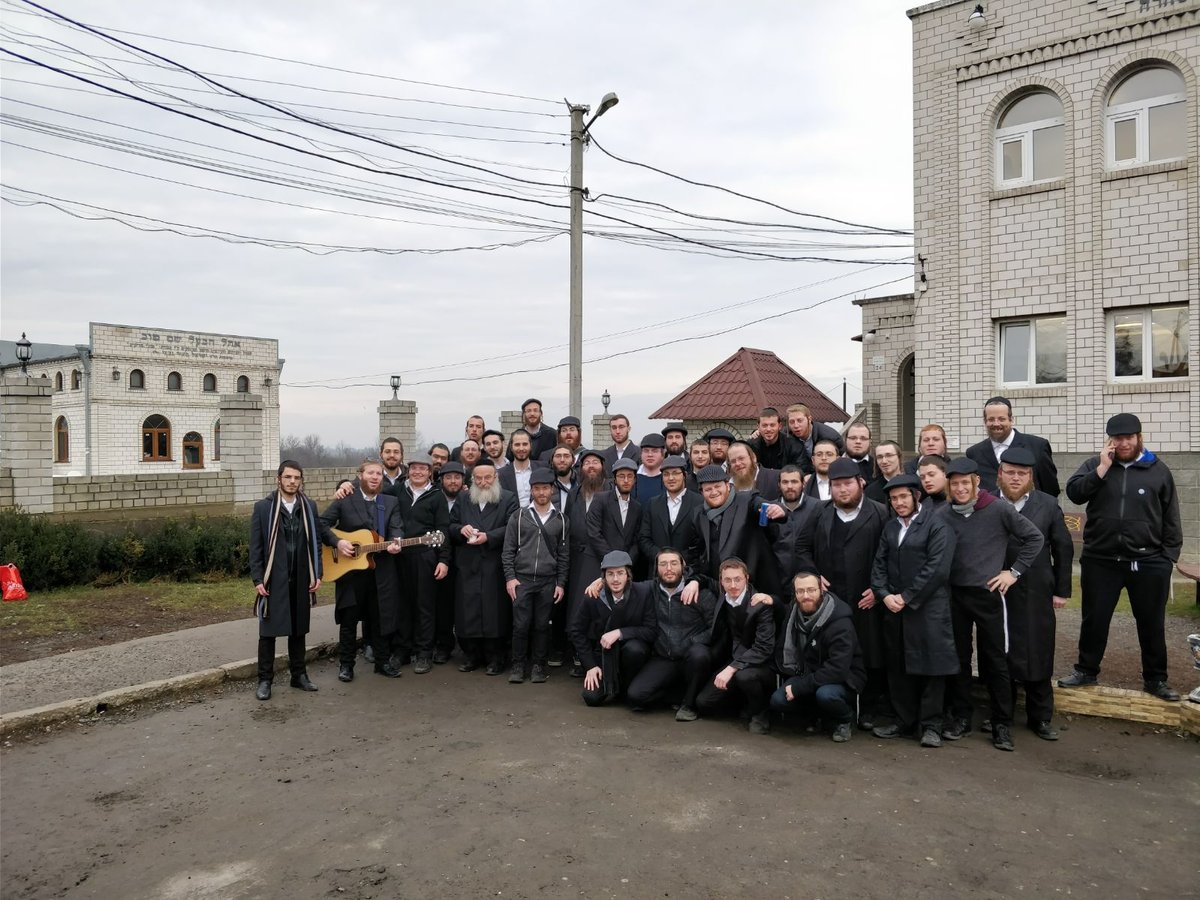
(799, 572)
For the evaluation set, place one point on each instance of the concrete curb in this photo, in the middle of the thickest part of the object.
(41, 717)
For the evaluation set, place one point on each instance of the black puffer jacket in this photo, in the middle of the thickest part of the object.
(681, 626)
(831, 655)
(1132, 512)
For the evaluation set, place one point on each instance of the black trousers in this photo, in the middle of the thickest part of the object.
(479, 650)
(418, 601)
(266, 657)
(981, 611)
(1039, 700)
(917, 699)
(620, 666)
(443, 614)
(366, 611)
(750, 687)
(531, 620)
(1148, 582)
(663, 680)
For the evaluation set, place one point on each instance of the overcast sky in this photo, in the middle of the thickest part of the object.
(807, 105)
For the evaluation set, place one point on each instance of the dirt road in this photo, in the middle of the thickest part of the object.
(452, 785)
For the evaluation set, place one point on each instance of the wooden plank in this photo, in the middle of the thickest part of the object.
(1117, 703)
(1189, 717)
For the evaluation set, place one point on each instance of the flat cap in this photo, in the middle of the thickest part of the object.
(1123, 423)
(568, 420)
(654, 440)
(719, 434)
(453, 468)
(615, 559)
(421, 459)
(844, 468)
(962, 466)
(709, 474)
(621, 464)
(1018, 456)
(674, 426)
(590, 452)
(674, 462)
(541, 476)
(903, 481)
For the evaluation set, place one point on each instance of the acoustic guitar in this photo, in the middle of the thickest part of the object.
(366, 543)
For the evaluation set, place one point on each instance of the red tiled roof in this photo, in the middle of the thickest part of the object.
(742, 385)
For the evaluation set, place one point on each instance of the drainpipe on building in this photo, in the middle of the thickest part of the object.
(85, 354)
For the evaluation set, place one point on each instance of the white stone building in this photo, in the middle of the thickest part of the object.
(139, 400)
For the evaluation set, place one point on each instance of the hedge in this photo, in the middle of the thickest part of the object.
(55, 554)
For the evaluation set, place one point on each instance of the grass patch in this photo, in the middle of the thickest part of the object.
(1183, 605)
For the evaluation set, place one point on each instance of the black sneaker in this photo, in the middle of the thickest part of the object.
(368, 653)
(1044, 730)
(1002, 737)
(556, 658)
(494, 668)
(887, 731)
(760, 724)
(1077, 679)
(440, 657)
(685, 714)
(956, 729)
(577, 670)
(516, 675)
(264, 690)
(841, 732)
(930, 738)
(1161, 690)
(345, 672)
(538, 675)
(423, 665)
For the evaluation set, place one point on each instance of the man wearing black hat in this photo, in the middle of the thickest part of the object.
(613, 631)
(649, 482)
(482, 609)
(450, 484)
(675, 436)
(1031, 602)
(669, 519)
(911, 578)
(998, 420)
(536, 563)
(842, 545)
(622, 447)
(614, 521)
(576, 502)
(980, 576)
(423, 512)
(728, 525)
(1131, 540)
(570, 434)
(719, 440)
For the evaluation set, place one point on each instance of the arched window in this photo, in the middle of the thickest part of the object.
(156, 439)
(243, 384)
(58, 382)
(1029, 140)
(193, 450)
(210, 383)
(62, 440)
(217, 441)
(1146, 119)
(174, 382)
(76, 379)
(137, 379)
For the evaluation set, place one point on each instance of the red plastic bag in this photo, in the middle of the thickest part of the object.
(10, 583)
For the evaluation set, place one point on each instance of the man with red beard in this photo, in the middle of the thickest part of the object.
(747, 475)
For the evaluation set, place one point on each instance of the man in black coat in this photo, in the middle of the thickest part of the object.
(998, 420)
(669, 519)
(911, 576)
(424, 511)
(1045, 587)
(729, 526)
(621, 447)
(805, 432)
(818, 657)
(482, 609)
(450, 485)
(747, 475)
(613, 631)
(285, 566)
(614, 521)
(575, 503)
(773, 446)
(843, 545)
(793, 546)
(747, 679)
(514, 477)
(371, 594)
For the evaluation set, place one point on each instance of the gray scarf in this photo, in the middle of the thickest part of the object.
(964, 508)
(714, 514)
(800, 630)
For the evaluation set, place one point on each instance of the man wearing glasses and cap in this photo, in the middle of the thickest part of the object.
(1131, 540)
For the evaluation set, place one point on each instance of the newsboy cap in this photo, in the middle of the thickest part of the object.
(615, 559)
(962, 466)
(1019, 456)
(709, 474)
(1123, 423)
(844, 468)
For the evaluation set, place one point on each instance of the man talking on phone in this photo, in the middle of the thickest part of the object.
(1131, 540)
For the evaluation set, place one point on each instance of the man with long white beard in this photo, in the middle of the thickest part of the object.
(482, 609)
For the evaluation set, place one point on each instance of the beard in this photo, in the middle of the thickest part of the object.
(1011, 495)
(485, 495)
(592, 483)
(744, 482)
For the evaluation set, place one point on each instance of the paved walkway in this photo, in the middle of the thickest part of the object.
(88, 673)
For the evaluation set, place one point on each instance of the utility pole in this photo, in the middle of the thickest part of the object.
(844, 396)
(579, 132)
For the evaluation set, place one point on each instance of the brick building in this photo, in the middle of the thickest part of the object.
(1057, 206)
(137, 400)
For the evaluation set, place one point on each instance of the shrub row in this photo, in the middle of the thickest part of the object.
(55, 554)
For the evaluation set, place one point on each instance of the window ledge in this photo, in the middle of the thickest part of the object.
(1027, 393)
(165, 459)
(1161, 386)
(1174, 165)
(1021, 190)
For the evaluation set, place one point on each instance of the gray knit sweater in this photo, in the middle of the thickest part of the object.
(982, 541)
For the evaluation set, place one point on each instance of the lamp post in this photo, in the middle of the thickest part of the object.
(605, 399)
(395, 381)
(579, 132)
(24, 353)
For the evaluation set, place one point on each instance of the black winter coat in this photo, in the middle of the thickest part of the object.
(831, 655)
(595, 616)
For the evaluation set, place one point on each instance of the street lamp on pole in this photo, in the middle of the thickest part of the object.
(24, 353)
(579, 132)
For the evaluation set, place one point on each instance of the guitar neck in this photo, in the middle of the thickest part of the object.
(404, 542)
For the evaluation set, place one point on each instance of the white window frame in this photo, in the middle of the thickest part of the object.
(1147, 376)
(1031, 371)
(1024, 134)
(1139, 112)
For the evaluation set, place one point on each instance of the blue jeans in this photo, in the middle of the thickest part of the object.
(831, 702)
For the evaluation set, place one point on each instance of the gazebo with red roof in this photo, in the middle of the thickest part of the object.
(732, 393)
